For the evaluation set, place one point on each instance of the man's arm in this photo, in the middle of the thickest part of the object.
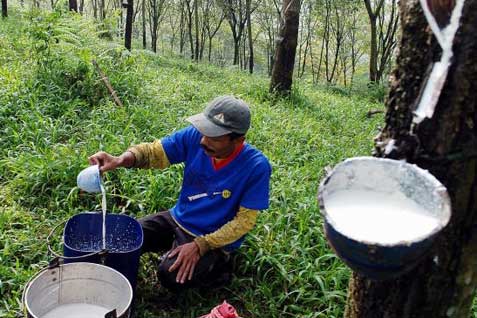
(145, 155)
(189, 254)
(240, 225)
(149, 155)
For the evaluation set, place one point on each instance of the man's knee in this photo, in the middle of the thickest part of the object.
(167, 278)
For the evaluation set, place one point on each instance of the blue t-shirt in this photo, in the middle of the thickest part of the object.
(209, 198)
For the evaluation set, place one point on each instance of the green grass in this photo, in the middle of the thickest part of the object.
(55, 112)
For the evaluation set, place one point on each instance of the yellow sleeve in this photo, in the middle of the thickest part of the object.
(240, 225)
(150, 155)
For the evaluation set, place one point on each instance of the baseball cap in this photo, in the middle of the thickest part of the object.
(222, 116)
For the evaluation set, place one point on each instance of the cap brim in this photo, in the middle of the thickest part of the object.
(207, 127)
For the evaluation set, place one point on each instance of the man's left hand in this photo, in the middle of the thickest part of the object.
(188, 256)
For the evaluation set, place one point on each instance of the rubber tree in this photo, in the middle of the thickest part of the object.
(129, 22)
(73, 5)
(4, 9)
(443, 284)
(285, 50)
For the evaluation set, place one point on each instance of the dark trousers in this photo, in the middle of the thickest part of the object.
(162, 235)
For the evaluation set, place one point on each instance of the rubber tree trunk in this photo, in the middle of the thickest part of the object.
(129, 21)
(250, 38)
(282, 72)
(73, 5)
(443, 284)
(144, 34)
(4, 8)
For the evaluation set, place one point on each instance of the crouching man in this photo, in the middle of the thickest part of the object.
(225, 185)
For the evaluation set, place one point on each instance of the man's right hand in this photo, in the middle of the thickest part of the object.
(105, 161)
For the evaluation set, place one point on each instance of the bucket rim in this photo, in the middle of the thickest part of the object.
(420, 171)
(112, 215)
(37, 276)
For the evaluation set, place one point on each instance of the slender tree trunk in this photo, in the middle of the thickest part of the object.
(373, 54)
(144, 33)
(236, 51)
(196, 18)
(282, 73)
(444, 283)
(181, 29)
(129, 21)
(81, 7)
(73, 5)
(189, 25)
(4, 9)
(95, 8)
(250, 39)
(102, 10)
(209, 51)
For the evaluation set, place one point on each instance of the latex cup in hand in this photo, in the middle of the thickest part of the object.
(89, 179)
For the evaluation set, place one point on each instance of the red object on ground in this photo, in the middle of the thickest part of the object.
(224, 310)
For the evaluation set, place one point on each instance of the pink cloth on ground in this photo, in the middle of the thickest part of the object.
(224, 310)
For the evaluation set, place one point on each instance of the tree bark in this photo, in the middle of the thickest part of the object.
(4, 9)
(250, 39)
(129, 21)
(282, 73)
(73, 5)
(443, 284)
(196, 23)
(144, 34)
(373, 54)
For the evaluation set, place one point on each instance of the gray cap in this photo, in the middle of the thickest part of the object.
(223, 115)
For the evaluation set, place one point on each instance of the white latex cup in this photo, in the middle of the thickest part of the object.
(89, 179)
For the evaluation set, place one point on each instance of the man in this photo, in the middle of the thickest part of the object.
(225, 184)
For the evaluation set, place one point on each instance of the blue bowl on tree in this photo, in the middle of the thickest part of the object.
(381, 216)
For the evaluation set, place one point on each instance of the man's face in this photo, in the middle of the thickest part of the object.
(219, 147)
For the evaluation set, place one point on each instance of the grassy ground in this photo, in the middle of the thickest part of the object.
(54, 112)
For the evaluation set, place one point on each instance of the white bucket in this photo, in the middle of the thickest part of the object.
(78, 290)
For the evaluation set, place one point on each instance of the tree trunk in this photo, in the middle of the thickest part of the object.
(196, 18)
(95, 8)
(189, 27)
(81, 7)
(250, 39)
(73, 5)
(373, 54)
(129, 21)
(4, 9)
(443, 284)
(144, 34)
(102, 10)
(282, 73)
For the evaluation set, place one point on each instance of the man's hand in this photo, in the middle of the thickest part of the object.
(105, 161)
(186, 260)
(108, 162)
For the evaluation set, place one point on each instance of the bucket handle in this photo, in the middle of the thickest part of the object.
(58, 258)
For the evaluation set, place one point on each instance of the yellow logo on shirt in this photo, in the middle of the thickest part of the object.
(226, 194)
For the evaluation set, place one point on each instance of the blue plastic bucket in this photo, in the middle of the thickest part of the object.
(82, 235)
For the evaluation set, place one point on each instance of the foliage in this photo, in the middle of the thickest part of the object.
(54, 112)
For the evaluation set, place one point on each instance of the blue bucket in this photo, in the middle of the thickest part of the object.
(82, 235)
